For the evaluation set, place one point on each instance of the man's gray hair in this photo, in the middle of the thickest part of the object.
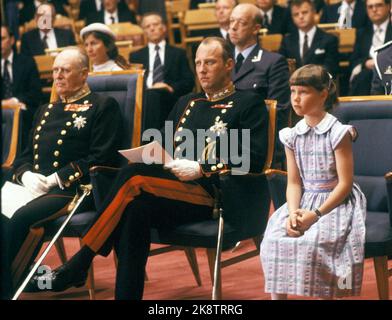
(81, 55)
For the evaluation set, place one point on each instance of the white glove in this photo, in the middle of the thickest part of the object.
(36, 183)
(184, 169)
(51, 181)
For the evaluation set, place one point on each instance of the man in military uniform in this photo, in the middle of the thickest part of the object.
(67, 138)
(180, 191)
(382, 73)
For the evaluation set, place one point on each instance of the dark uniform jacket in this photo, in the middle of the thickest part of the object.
(32, 45)
(382, 78)
(266, 73)
(124, 15)
(281, 22)
(69, 138)
(241, 110)
(323, 50)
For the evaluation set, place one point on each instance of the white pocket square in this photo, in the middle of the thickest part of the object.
(319, 51)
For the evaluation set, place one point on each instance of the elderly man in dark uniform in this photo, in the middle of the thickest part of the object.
(68, 137)
(148, 195)
(382, 73)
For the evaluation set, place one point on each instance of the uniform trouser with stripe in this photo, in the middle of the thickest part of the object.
(23, 235)
(142, 197)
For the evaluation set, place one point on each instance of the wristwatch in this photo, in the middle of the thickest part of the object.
(317, 211)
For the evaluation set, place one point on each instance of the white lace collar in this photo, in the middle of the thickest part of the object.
(324, 125)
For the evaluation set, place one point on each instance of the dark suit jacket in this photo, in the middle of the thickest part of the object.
(28, 11)
(364, 42)
(269, 76)
(26, 85)
(124, 15)
(281, 21)
(87, 7)
(176, 69)
(359, 19)
(323, 50)
(31, 43)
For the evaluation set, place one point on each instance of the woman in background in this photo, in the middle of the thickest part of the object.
(99, 42)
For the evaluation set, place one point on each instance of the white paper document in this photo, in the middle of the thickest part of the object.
(148, 154)
(13, 197)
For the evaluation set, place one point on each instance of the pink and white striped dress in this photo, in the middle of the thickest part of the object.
(327, 261)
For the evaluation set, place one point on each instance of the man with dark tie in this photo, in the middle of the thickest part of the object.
(19, 80)
(274, 18)
(168, 75)
(29, 8)
(337, 13)
(111, 13)
(88, 7)
(257, 69)
(34, 42)
(368, 39)
(309, 44)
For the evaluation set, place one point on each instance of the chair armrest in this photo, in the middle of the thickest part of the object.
(388, 180)
(272, 172)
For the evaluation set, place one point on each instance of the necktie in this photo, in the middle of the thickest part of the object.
(45, 41)
(6, 91)
(157, 75)
(305, 47)
(113, 20)
(238, 64)
(377, 41)
(265, 21)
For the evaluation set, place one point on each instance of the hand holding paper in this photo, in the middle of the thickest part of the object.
(184, 169)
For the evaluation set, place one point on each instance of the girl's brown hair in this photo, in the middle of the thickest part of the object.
(319, 78)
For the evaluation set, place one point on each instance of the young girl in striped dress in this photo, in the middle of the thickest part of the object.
(314, 244)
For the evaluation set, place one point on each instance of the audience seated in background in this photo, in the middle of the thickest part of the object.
(168, 75)
(45, 36)
(336, 12)
(112, 13)
(274, 18)
(367, 40)
(99, 42)
(19, 80)
(309, 44)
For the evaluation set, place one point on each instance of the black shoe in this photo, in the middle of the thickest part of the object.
(58, 280)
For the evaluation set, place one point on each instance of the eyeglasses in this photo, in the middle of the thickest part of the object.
(375, 6)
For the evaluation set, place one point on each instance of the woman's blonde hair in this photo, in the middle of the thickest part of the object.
(319, 78)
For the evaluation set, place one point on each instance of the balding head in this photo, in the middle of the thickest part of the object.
(70, 70)
(245, 23)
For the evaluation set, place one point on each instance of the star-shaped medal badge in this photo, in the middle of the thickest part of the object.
(219, 127)
(79, 122)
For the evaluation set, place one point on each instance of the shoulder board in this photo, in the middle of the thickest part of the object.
(387, 44)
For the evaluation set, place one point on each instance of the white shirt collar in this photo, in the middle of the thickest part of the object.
(223, 32)
(50, 34)
(383, 26)
(323, 126)
(162, 45)
(10, 58)
(269, 14)
(351, 5)
(310, 34)
(245, 53)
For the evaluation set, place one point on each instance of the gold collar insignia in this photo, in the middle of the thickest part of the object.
(84, 91)
(225, 92)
